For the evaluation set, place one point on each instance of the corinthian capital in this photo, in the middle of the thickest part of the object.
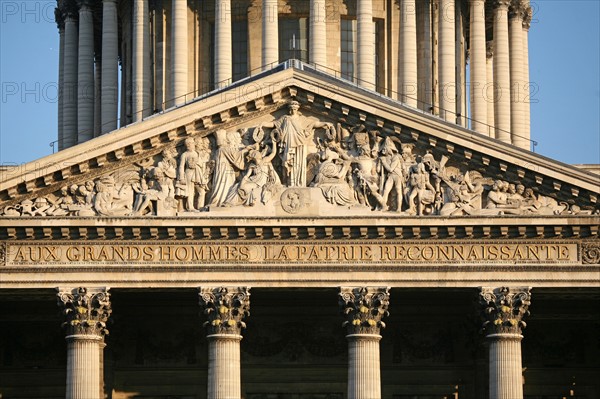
(364, 308)
(527, 17)
(518, 8)
(504, 308)
(86, 310)
(502, 4)
(86, 3)
(59, 18)
(225, 307)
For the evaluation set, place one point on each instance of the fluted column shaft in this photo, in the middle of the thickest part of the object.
(517, 85)
(86, 313)
(489, 90)
(318, 33)
(424, 55)
(365, 53)
(506, 380)
(502, 71)
(225, 308)
(503, 310)
(70, 82)
(479, 106)
(223, 57)
(270, 34)
(110, 67)
(527, 93)
(447, 60)
(364, 376)
(364, 308)
(61, 85)
(83, 366)
(179, 60)
(141, 60)
(97, 99)
(224, 381)
(408, 53)
(85, 74)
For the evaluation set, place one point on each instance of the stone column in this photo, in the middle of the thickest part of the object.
(517, 85)
(490, 89)
(501, 71)
(70, 78)
(317, 48)
(363, 309)
(527, 92)
(60, 22)
(365, 53)
(270, 34)
(479, 106)
(408, 53)
(503, 310)
(86, 313)
(110, 67)
(97, 100)
(159, 56)
(85, 73)
(424, 55)
(225, 307)
(447, 60)
(179, 60)
(223, 57)
(141, 60)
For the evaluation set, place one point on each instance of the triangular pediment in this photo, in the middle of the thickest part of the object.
(243, 151)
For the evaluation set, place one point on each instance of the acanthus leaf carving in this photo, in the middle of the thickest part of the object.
(225, 309)
(503, 309)
(364, 309)
(86, 311)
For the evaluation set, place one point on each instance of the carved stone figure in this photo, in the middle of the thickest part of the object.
(229, 159)
(293, 135)
(152, 194)
(259, 181)
(109, 202)
(333, 175)
(421, 193)
(464, 197)
(391, 163)
(168, 166)
(365, 178)
(205, 168)
(189, 175)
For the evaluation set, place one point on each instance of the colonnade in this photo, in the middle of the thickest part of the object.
(87, 310)
(430, 70)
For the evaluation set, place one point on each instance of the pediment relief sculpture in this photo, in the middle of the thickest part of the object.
(294, 165)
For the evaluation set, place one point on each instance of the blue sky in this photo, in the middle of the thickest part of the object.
(564, 47)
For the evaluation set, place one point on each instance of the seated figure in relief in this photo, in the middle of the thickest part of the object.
(332, 175)
(110, 202)
(259, 181)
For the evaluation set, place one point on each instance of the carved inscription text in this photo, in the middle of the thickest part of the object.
(200, 253)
